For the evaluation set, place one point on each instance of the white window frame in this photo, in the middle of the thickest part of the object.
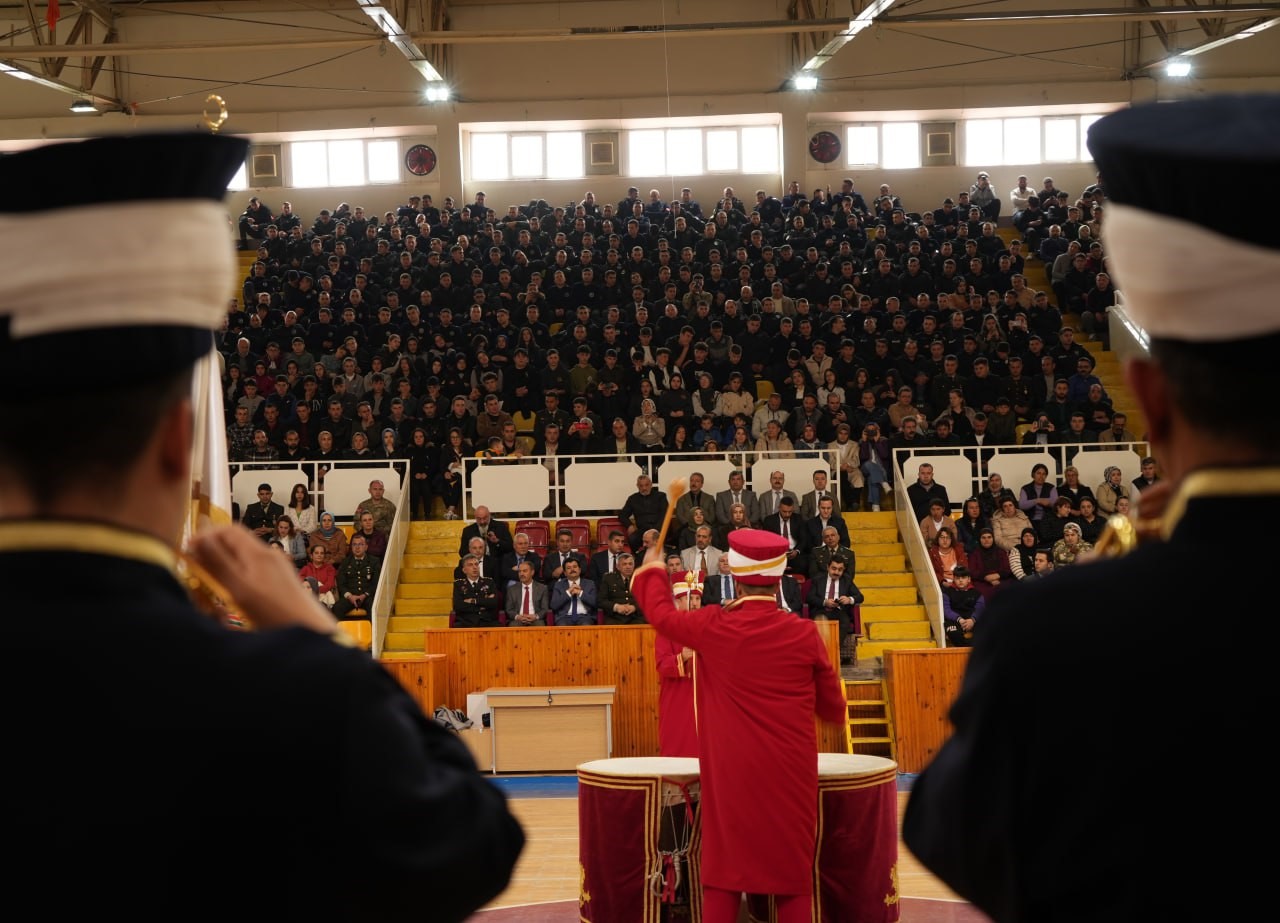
(513, 138)
(844, 162)
(364, 163)
(743, 158)
(1000, 158)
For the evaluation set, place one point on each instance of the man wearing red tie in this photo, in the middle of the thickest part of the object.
(525, 602)
(760, 674)
(835, 596)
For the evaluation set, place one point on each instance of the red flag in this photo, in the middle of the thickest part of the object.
(52, 15)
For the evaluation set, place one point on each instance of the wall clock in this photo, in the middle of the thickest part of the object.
(824, 146)
(420, 160)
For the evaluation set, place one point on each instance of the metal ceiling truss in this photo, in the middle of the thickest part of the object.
(92, 16)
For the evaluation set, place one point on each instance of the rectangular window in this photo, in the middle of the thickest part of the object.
(346, 163)
(384, 161)
(684, 151)
(694, 151)
(526, 156)
(647, 152)
(983, 142)
(1085, 122)
(862, 146)
(722, 150)
(901, 145)
(239, 182)
(760, 149)
(564, 155)
(489, 157)
(1021, 141)
(310, 164)
(1060, 139)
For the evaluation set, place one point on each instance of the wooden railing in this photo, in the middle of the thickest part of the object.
(589, 655)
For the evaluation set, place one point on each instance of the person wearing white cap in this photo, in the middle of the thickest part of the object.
(219, 772)
(762, 674)
(1028, 810)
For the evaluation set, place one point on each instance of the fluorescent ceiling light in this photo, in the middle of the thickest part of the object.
(1178, 67)
(83, 106)
(804, 82)
(437, 92)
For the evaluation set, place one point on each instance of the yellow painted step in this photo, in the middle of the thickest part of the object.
(437, 527)
(434, 590)
(879, 564)
(400, 655)
(873, 536)
(417, 622)
(423, 606)
(404, 641)
(888, 596)
(906, 612)
(426, 575)
(883, 520)
(435, 545)
(876, 549)
(902, 578)
(877, 648)
(435, 559)
(898, 631)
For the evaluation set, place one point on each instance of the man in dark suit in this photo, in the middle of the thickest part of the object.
(787, 595)
(925, 490)
(695, 496)
(786, 523)
(526, 601)
(830, 550)
(718, 588)
(475, 598)
(553, 563)
(737, 493)
(772, 498)
(494, 532)
(490, 566)
(809, 503)
(826, 517)
(605, 561)
(1204, 352)
(260, 517)
(509, 567)
(615, 596)
(834, 596)
(573, 597)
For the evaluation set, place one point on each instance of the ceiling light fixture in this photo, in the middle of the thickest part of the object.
(1178, 67)
(82, 106)
(804, 82)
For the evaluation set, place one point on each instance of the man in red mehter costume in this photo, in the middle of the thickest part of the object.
(761, 674)
(677, 727)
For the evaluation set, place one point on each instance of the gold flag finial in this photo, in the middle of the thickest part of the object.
(213, 123)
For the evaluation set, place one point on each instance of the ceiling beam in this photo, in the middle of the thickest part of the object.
(1024, 17)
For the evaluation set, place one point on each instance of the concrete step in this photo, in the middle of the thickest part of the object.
(432, 528)
(434, 590)
(404, 641)
(875, 536)
(892, 612)
(423, 606)
(898, 631)
(444, 544)
(400, 655)
(434, 559)
(881, 564)
(399, 623)
(883, 520)
(889, 596)
(877, 549)
(426, 575)
(868, 649)
(891, 579)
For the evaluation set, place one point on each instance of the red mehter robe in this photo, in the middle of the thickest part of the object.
(762, 674)
(677, 729)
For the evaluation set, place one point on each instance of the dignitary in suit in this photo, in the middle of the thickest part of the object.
(827, 517)
(553, 564)
(770, 499)
(787, 595)
(677, 720)
(737, 493)
(749, 843)
(821, 489)
(695, 496)
(702, 557)
(644, 510)
(476, 600)
(521, 551)
(615, 596)
(573, 597)
(605, 561)
(835, 596)
(820, 558)
(718, 588)
(94, 533)
(786, 523)
(494, 532)
(526, 601)
(1212, 337)
(490, 566)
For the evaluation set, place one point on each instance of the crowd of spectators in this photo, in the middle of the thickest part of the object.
(436, 333)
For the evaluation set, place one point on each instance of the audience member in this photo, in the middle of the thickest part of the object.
(945, 555)
(526, 601)
(1072, 489)
(1037, 496)
(989, 565)
(1022, 556)
(833, 595)
(475, 598)
(1070, 547)
(972, 521)
(301, 510)
(615, 597)
(643, 510)
(962, 606)
(1008, 523)
(1111, 489)
(357, 579)
(573, 597)
(924, 491)
(260, 518)
(324, 574)
(737, 493)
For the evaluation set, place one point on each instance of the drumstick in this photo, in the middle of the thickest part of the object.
(675, 490)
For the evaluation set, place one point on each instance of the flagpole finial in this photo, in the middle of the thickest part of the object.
(212, 122)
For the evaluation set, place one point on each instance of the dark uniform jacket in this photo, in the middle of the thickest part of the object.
(359, 575)
(615, 589)
(154, 775)
(1009, 796)
(476, 605)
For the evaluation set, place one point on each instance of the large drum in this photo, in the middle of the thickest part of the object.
(638, 840)
(856, 867)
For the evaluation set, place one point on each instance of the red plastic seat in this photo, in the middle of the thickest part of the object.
(605, 525)
(581, 529)
(539, 532)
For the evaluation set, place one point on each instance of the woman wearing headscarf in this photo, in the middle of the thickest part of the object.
(1022, 556)
(420, 455)
(1112, 489)
(989, 565)
(331, 537)
(1068, 549)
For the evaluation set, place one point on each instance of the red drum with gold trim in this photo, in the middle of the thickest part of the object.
(638, 844)
(856, 867)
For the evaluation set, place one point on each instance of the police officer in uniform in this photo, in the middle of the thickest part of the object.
(1040, 807)
(216, 772)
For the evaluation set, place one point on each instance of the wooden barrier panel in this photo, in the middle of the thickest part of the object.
(423, 678)
(588, 655)
(922, 684)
